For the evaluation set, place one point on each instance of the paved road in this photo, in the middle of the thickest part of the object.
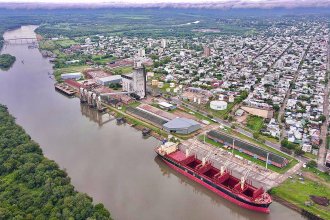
(324, 128)
(287, 95)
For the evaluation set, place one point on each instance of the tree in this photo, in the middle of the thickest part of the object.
(322, 118)
(298, 152)
(29, 171)
(256, 135)
(312, 164)
(276, 107)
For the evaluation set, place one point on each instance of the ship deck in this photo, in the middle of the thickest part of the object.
(231, 183)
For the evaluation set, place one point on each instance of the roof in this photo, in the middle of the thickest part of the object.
(165, 104)
(110, 78)
(71, 74)
(247, 146)
(180, 123)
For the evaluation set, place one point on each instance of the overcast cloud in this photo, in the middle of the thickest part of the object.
(168, 3)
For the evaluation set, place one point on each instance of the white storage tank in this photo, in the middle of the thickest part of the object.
(218, 105)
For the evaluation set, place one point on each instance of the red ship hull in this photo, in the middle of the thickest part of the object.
(241, 204)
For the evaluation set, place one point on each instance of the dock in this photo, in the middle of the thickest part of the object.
(65, 89)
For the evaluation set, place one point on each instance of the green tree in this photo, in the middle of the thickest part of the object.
(312, 164)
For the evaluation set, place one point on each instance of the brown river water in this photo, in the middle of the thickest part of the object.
(111, 163)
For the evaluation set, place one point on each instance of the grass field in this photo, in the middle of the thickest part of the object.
(197, 115)
(122, 70)
(47, 45)
(71, 69)
(102, 61)
(255, 123)
(55, 44)
(297, 192)
(65, 43)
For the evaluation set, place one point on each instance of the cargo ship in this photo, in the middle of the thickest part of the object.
(220, 181)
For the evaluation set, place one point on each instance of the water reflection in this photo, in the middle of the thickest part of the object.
(100, 118)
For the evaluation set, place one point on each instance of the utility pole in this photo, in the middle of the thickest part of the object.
(267, 160)
(233, 146)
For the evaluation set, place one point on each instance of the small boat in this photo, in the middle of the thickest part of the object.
(146, 131)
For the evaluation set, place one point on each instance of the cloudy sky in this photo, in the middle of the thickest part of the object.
(179, 3)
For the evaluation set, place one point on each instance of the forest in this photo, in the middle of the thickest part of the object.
(6, 61)
(34, 187)
(144, 22)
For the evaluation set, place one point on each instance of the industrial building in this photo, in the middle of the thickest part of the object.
(247, 148)
(181, 126)
(75, 76)
(106, 81)
(136, 82)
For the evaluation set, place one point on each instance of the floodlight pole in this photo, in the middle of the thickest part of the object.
(267, 160)
(233, 146)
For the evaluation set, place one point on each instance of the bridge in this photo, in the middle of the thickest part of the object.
(21, 40)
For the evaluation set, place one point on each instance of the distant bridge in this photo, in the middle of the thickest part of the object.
(20, 40)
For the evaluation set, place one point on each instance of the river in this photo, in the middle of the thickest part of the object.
(111, 163)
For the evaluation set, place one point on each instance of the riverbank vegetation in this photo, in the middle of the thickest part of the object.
(6, 61)
(298, 190)
(34, 187)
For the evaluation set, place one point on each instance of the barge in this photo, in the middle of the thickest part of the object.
(65, 89)
(220, 181)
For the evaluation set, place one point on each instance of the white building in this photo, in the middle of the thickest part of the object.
(163, 43)
(75, 76)
(135, 82)
(141, 52)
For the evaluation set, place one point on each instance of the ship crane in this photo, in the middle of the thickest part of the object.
(224, 167)
(243, 178)
(189, 149)
(204, 159)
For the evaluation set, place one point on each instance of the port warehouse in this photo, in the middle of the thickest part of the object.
(145, 116)
(164, 120)
(248, 148)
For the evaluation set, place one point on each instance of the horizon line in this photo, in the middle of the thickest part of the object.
(184, 4)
